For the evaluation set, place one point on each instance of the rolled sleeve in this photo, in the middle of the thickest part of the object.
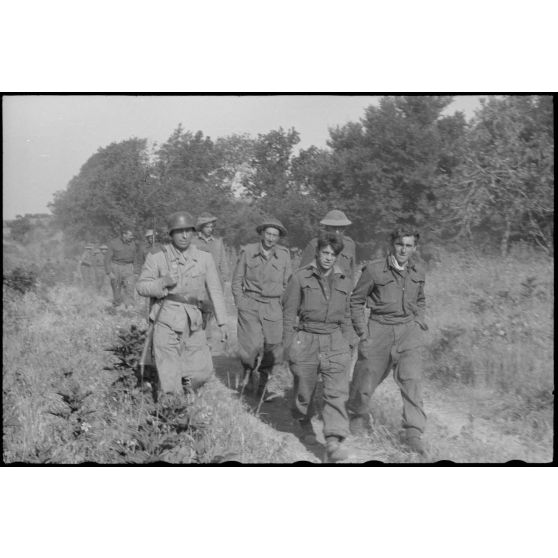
(291, 304)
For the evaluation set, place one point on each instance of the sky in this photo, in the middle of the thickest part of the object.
(46, 139)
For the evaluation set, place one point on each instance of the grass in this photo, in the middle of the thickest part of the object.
(489, 381)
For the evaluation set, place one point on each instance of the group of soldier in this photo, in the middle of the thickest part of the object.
(312, 319)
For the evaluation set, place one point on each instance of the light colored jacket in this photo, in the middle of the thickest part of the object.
(197, 279)
(260, 277)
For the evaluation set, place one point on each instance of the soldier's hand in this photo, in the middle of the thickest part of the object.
(169, 280)
(224, 333)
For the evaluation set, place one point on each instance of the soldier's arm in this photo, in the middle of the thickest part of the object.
(238, 277)
(108, 258)
(150, 281)
(213, 286)
(291, 303)
(138, 259)
(358, 300)
(347, 326)
(288, 271)
(223, 264)
(421, 302)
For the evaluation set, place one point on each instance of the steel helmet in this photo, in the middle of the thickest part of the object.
(272, 222)
(205, 218)
(103, 247)
(149, 232)
(335, 218)
(89, 246)
(180, 220)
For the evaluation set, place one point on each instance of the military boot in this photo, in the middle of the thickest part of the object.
(306, 431)
(335, 450)
(415, 444)
(358, 425)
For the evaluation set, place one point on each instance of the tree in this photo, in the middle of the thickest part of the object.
(504, 185)
(110, 192)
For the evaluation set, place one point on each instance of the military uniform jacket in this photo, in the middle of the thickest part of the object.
(197, 278)
(98, 259)
(258, 276)
(121, 252)
(394, 297)
(216, 248)
(321, 303)
(346, 259)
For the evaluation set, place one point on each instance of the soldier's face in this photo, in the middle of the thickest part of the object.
(270, 236)
(326, 258)
(127, 236)
(181, 238)
(336, 230)
(404, 248)
(207, 229)
(149, 239)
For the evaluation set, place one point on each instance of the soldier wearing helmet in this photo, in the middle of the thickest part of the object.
(335, 221)
(205, 240)
(259, 280)
(181, 278)
(122, 264)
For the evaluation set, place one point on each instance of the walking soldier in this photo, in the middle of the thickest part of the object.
(180, 277)
(99, 266)
(259, 280)
(393, 289)
(86, 268)
(319, 295)
(122, 262)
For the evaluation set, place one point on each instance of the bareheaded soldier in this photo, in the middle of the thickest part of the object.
(180, 278)
(335, 222)
(122, 264)
(393, 289)
(259, 280)
(318, 294)
(86, 266)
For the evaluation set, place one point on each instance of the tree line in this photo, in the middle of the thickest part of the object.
(489, 180)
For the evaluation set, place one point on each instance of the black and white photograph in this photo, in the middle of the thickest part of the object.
(321, 279)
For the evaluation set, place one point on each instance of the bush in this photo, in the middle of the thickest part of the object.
(21, 279)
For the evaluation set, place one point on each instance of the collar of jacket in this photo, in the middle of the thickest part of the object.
(411, 264)
(205, 238)
(190, 253)
(313, 268)
(272, 252)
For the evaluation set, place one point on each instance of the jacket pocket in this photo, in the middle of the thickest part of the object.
(174, 316)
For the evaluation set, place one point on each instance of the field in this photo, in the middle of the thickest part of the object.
(489, 380)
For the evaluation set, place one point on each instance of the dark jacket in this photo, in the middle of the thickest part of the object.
(394, 297)
(321, 303)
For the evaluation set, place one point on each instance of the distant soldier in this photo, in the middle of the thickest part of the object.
(335, 221)
(318, 294)
(206, 241)
(122, 262)
(393, 289)
(86, 269)
(148, 244)
(259, 280)
(99, 266)
(181, 279)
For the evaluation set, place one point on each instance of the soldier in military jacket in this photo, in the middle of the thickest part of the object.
(393, 289)
(259, 280)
